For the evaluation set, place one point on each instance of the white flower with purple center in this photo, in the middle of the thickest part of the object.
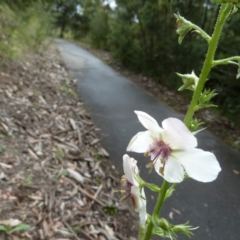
(132, 189)
(173, 151)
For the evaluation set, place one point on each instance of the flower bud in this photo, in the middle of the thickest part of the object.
(204, 100)
(190, 81)
(194, 125)
(183, 27)
(206, 96)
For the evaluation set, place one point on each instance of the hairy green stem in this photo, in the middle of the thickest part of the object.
(223, 14)
(157, 208)
(226, 61)
(141, 233)
(201, 31)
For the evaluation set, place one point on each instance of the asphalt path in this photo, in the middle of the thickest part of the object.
(111, 99)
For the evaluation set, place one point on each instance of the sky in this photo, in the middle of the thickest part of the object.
(112, 3)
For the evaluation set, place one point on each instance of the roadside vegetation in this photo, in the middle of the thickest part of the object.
(24, 25)
(56, 180)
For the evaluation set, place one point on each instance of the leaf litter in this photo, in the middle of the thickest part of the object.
(54, 174)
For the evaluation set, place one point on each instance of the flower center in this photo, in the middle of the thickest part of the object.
(126, 187)
(159, 150)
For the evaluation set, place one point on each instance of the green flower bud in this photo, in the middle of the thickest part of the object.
(183, 27)
(204, 100)
(194, 125)
(190, 81)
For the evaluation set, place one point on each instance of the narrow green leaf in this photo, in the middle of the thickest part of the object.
(20, 227)
(152, 187)
(2, 228)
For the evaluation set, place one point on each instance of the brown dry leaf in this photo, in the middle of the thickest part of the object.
(5, 127)
(47, 231)
(109, 230)
(235, 171)
(57, 225)
(33, 154)
(103, 152)
(75, 175)
(4, 165)
(171, 215)
(2, 175)
(176, 211)
(95, 141)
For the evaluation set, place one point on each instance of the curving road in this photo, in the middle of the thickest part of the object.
(111, 99)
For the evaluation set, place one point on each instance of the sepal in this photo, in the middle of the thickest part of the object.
(170, 191)
(190, 81)
(183, 27)
(194, 125)
(153, 187)
(168, 230)
(204, 100)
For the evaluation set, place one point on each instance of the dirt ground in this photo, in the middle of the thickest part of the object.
(218, 125)
(54, 174)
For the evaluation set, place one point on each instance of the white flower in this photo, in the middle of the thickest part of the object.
(132, 188)
(173, 151)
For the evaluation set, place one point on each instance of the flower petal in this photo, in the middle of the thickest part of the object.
(148, 122)
(140, 142)
(143, 215)
(139, 203)
(199, 165)
(173, 171)
(130, 169)
(177, 135)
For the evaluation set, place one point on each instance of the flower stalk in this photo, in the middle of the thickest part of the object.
(229, 60)
(157, 209)
(213, 42)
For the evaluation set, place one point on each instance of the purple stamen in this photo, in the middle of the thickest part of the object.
(159, 149)
(127, 188)
(128, 185)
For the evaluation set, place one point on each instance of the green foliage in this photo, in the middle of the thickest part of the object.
(23, 30)
(66, 14)
(9, 229)
(167, 230)
(27, 181)
(99, 29)
(123, 45)
(110, 209)
(8, 32)
(2, 148)
(59, 154)
(205, 98)
(68, 91)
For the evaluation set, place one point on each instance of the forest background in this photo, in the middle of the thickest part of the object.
(140, 34)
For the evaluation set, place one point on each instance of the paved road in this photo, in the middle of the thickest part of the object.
(111, 100)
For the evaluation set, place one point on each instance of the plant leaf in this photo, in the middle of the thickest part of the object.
(2, 228)
(20, 227)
